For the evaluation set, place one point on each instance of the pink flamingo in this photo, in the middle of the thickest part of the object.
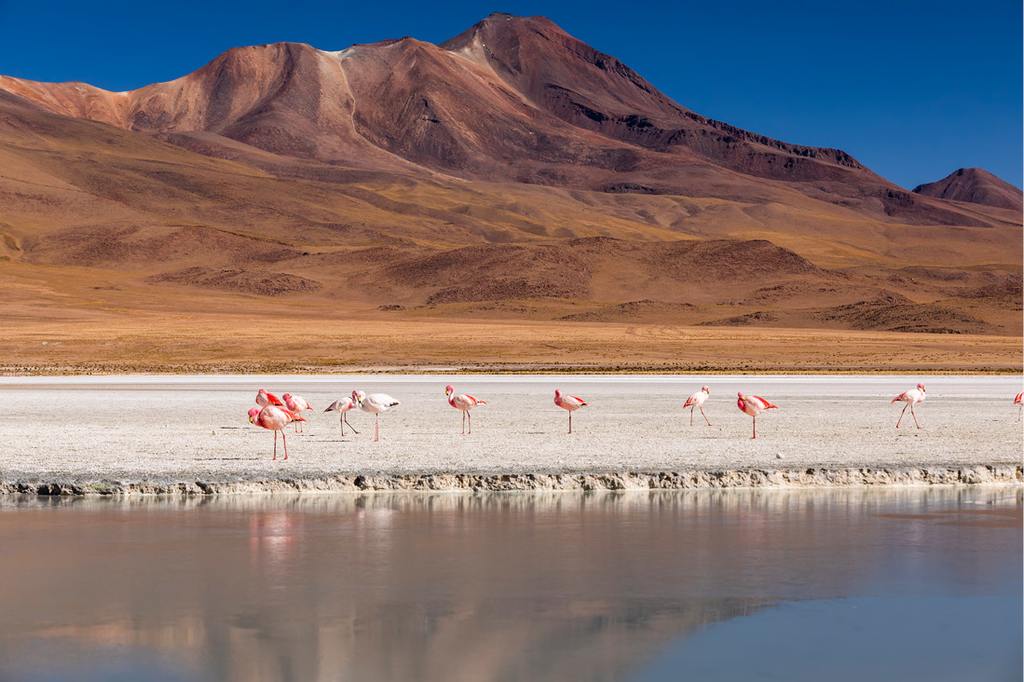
(463, 402)
(298, 405)
(343, 406)
(264, 398)
(274, 418)
(569, 403)
(697, 401)
(1019, 402)
(753, 405)
(912, 397)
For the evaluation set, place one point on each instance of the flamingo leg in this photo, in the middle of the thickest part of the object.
(901, 416)
(914, 415)
(469, 417)
(342, 420)
(376, 429)
(570, 421)
(275, 444)
(463, 422)
(755, 427)
(704, 415)
(345, 417)
(691, 416)
(284, 439)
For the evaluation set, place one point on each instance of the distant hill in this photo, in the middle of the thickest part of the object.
(977, 186)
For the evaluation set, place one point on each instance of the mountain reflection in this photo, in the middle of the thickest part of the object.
(453, 586)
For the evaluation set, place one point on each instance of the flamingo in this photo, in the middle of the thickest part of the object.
(343, 406)
(753, 405)
(274, 418)
(697, 401)
(1018, 400)
(463, 402)
(298, 405)
(376, 404)
(912, 397)
(264, 398)
(569, 403)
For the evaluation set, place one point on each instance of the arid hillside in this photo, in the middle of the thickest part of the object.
(510, 175)
(977, 186)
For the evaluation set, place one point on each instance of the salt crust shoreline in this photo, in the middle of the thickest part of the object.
(811, 477)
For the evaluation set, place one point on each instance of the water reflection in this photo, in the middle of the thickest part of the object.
(454, 586)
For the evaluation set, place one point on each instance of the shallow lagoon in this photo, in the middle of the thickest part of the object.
(813, 584)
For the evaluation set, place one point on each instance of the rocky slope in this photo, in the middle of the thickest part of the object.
(977, 186)
(512, 171)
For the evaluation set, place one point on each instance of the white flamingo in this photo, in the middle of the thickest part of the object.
(697, 401)
(376, 404)
(914, 396)
(343, 407)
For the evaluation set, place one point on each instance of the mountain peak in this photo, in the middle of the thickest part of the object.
(976, 186)
(513, 98)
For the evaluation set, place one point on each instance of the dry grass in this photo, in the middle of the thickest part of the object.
(220, 342)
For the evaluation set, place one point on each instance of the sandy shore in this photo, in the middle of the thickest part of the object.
(190, 435)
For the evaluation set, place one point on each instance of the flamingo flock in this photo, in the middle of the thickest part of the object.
(274, 414)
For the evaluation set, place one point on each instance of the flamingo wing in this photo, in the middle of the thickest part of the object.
(274, 418)
(901, 397)
(691, 401)
(767, 404)
(382, 400)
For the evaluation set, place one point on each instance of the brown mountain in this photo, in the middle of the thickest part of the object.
(511, 172)
(512, 99)
(977, 186)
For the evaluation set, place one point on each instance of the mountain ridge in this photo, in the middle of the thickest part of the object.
(511, 171)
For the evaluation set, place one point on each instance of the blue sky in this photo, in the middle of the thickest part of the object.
(913, 89)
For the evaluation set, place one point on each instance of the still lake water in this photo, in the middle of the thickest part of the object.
(911, 584)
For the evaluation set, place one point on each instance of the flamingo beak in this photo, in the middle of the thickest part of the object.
(250, 420)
